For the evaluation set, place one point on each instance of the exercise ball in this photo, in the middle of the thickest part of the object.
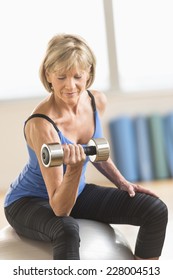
(99, 241)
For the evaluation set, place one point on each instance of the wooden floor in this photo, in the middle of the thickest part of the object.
(164, 189)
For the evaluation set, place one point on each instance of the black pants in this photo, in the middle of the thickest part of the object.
(33, 218)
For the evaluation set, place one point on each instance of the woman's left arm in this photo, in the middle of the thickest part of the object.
(110, 171)
(108, 168)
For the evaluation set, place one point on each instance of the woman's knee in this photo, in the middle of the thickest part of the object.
(67, 228)
(161, 211)
(158, 213)
(70, 227)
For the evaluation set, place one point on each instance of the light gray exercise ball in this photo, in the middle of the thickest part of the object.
(99, 241)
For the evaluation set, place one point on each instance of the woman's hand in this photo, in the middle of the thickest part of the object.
(132, 188)
(73, 154)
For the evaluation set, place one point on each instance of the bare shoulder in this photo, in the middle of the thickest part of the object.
(43, 106)
(38, 131)
(101, 100)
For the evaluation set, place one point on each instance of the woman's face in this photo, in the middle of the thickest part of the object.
(68, 86)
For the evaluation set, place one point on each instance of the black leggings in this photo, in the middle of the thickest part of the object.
(33, 218)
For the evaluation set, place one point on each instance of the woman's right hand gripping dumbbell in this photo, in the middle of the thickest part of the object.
(73, 154)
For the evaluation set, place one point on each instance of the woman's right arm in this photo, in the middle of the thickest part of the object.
(62, 188)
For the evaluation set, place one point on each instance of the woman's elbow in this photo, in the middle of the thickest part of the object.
(59, 211)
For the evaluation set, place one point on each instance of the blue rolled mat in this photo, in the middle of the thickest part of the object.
(168, 133)
(157, 139)
(143, 148)
(124, 147)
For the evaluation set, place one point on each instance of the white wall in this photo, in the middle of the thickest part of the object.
(13, 114)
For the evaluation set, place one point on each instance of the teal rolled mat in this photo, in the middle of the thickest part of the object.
(143, 148)
(158, 146)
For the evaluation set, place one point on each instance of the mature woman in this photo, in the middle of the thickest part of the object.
(43, 203)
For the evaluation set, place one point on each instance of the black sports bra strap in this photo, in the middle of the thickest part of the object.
(41, 116)
(92, 100)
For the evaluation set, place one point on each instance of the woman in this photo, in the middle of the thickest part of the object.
(43, 203)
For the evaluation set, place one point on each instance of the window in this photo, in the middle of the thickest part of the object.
(27, 26)
(144, 42)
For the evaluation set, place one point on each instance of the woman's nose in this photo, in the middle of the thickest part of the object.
(70, 83)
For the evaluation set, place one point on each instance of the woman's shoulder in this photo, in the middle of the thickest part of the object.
(42, 107)
(40, 123)
(100, 99)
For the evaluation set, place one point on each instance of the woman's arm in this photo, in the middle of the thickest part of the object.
(110, 171)
(62, 188)
(108, 168)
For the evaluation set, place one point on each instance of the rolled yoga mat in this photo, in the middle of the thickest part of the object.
(124, 147)
(168, 133)
(158, 146)
(143, 148)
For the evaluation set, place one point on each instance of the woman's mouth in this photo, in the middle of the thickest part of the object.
(70, 94)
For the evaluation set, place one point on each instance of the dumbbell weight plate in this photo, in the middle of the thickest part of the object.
(102, 148)
(52, 154)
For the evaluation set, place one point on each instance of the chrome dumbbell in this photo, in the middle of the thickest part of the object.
(97, 149)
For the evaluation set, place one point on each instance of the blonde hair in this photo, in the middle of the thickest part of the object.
(64, 52)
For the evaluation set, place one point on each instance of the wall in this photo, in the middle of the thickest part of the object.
(13, 114)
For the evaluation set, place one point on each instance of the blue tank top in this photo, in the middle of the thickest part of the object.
(30, 181)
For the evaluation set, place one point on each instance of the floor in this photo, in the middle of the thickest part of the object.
(164, 189)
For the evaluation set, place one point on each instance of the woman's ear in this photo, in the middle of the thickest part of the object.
(89, 72)
(48, 76)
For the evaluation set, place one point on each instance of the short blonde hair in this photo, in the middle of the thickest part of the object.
(64, 52)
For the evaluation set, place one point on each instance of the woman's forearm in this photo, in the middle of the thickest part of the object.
(110, 171)
(65, 196)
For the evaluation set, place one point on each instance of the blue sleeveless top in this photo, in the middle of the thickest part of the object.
(30, 181)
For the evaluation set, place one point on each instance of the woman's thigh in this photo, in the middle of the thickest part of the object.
(114, 206)
(33, 217)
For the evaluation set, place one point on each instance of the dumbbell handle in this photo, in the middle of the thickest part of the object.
(90, 150)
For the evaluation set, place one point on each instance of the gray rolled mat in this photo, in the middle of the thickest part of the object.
(143, 148)
(168, 133)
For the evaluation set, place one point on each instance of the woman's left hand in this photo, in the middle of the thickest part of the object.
(132, 188)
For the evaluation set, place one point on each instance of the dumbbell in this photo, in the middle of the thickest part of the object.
(97, 149)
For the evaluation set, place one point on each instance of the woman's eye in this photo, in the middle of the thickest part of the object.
(78, 77)
(64, 77)
(61, 78)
